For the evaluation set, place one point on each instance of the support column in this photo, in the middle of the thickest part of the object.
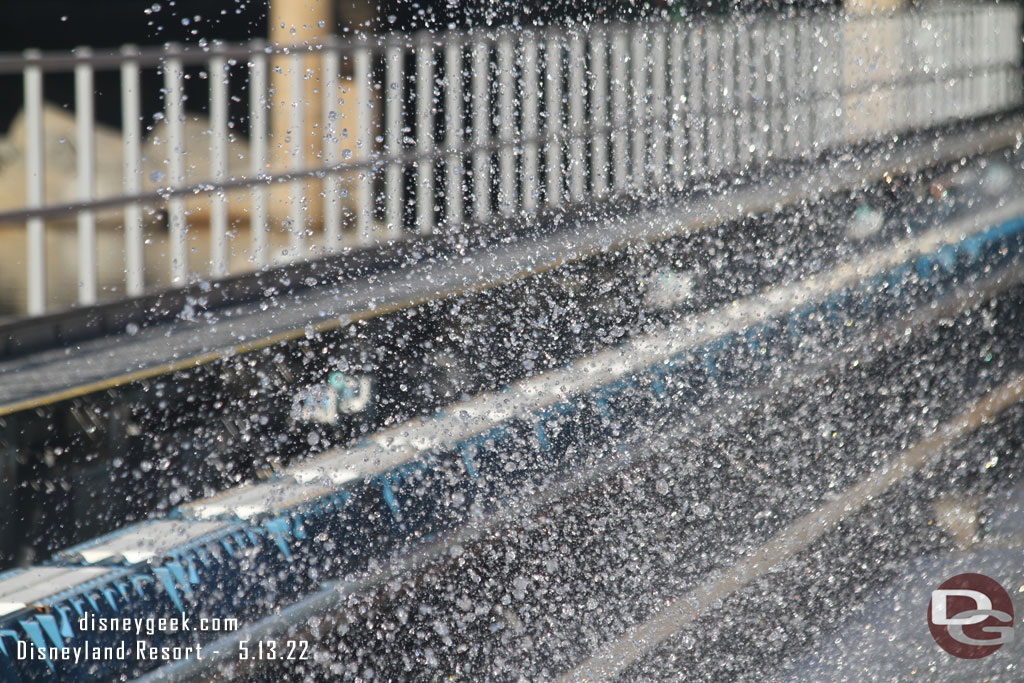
(296, 23)
(873, 59)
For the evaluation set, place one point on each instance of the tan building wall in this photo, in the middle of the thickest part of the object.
(299, 23)
(872, 57)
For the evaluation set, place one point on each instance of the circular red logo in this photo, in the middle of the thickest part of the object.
(970, 616)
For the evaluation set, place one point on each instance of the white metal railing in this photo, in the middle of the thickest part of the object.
(420, 134)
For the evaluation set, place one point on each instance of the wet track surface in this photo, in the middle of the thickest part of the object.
(562, 526)
(534, 598)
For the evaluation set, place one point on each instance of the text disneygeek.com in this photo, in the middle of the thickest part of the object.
(155, 639)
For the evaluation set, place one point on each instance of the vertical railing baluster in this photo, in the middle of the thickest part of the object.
(297, 132)
(555, 124)
(819, 83)
(1011, 16)
(218, 165)
(1009, 54)
(757, 65)
(424, 135)
(619, 57)
(638, 95)
(394, 186)
(727, 86)
(960, 42)
(776, 105)
(131, 113)
(35, 187)
(949, 62)
(481, 130)
(934, 80)
(677, 108)
(454, 131)
(791, 88)
(506, 121)
(258, 153)
(979, 59)
(831, 108)
(696, 111)
(576, 144)
(978, 63)
(174, 115)
(530, 96)
(742, 89)
(805, 78)
(713, 102)
(85, 155)
(988, 70)
(599, 111)
(920, 87)
(363, 145)
(330, 144)
(963, 40)
(659, 121)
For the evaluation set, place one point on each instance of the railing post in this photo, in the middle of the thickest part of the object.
(805, 125)
(743, 88)
(727, 88)
(696, 110)
(830, 103)
(659, 123)
(506, 119)
(424, 135)
(757, 99)
(453, 132)
(776, 136)
(531, 110)
(677, 112)
(394, 187)
(599, 111)
(619, 57)
(962, 39)
(790, 86)
(576, 84)
(218, 165)
(639, 100)
(174, 114)
(481, 130)
(131, 113)
(297, 132)
(85, 156)
(35, 184)
(329, 145)
(554, 128)
(364, 147)
(258, 161)
(713, 105)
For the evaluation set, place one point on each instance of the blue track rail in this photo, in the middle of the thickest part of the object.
(240, 553)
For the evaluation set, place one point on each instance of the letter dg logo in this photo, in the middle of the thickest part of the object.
(970, 616)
